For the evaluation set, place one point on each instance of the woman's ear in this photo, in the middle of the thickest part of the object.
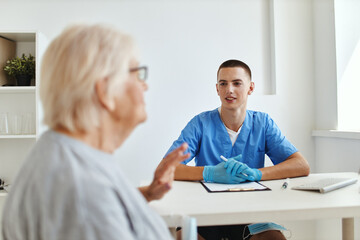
(101, 90)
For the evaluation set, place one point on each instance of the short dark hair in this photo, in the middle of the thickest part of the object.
(235, 63)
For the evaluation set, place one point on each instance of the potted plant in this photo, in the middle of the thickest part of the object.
(23, 69)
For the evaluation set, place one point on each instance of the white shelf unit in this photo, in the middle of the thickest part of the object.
(15, 99)
(30, 89)
(17, 136)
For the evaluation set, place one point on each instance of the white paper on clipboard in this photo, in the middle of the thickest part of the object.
(247, 186)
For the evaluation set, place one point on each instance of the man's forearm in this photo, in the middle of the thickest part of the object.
(295, 166)
(189, 173)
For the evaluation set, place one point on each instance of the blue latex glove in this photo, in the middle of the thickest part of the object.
(234, 165)
(253, 174)
(218, 174)
(236, 168)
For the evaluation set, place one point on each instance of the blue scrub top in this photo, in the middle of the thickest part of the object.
(208, 138)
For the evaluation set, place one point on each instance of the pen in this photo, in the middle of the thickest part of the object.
(285, 184)
(225, 159)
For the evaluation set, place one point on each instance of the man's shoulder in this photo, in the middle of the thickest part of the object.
(203, 119)
(203, 116)
(257, 115)
(208, 114)
(259, 119)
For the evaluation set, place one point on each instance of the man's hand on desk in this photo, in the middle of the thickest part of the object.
(164, 174)
(218, 174)
(236, 168)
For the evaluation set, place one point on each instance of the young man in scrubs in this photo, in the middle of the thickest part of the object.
(243, 137)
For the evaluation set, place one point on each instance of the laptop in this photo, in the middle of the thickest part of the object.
(326, 184)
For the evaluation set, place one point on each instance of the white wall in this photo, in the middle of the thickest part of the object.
(183, 43)
(325, 65)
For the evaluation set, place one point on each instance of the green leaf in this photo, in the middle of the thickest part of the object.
(23, 65)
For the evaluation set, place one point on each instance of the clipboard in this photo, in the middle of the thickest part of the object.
(240, 187)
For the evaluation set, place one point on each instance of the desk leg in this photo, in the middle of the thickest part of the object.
(172, 232)
(348, 228)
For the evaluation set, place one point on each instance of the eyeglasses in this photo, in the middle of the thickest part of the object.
(141, 71)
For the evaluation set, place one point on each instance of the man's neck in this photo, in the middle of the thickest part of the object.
(233, 118)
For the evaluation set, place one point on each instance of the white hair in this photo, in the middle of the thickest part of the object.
(75, 60)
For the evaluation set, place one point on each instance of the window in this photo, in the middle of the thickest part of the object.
(347, 29)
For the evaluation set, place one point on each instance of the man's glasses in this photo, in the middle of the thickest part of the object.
(141, 71)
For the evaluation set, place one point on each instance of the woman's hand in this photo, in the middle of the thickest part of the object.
(164, 174)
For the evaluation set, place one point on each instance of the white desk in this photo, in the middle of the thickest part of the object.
(191, 199)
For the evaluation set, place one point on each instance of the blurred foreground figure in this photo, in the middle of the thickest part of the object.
(70, 186)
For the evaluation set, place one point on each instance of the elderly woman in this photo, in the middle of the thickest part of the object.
(70, 186)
